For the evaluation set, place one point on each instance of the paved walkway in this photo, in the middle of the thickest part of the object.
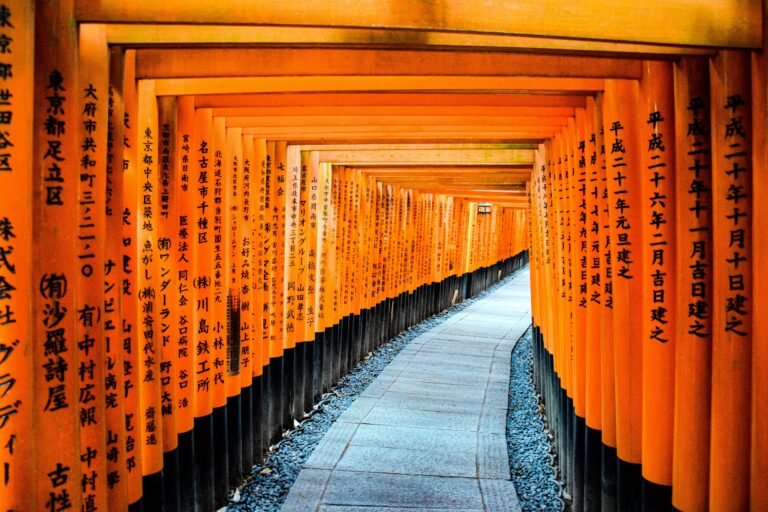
(429, 432)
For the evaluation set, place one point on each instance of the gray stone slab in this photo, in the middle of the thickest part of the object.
(468, 392)
(493, 321)
(329, 451)
(378, 387)
(408, 462)
(497, 397)
(424, 402)
(442, 369)
(493, 421)
(464, 332)
(427, 362)
(405, 353)
(496, 386)
(353, 488)
(360, 508)
(468, 348)
(448, 360)
(458, 351)
(358, 410)
(448, 340)
(500, 496)
(415, 438)
(468, 331)
(466, 378)
(492, 457)
(401, 364)
(307, 491)
(456, 334)
(497, 380)
(421, 419)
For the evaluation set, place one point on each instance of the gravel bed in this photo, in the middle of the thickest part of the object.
(267, 486)
(532, 461)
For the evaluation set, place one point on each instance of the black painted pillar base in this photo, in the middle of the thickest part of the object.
(260, 417)
(593, 455)
(246, 426)
(309, 377)
(171, 480)
(328, 352)
(567, 424)
(220, 456)
(365, 333)
(336, 356)
(351, 359)
(297, 383)
(154, 492)
(186, 452)
(358, 337)
(629, 483)
(289, 367)
(317, 366)
(275, 398)
(234, 441)
(137, 506)
(656, 498)
(204, 493)
(608, 497)
(343, 348)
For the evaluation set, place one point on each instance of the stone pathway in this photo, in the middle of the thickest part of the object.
(429, 433)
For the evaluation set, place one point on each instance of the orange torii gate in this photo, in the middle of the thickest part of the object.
(161, 325)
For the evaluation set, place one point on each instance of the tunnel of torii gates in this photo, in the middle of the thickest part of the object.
(210, 211)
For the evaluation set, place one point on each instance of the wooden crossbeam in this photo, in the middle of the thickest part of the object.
(240, 85)
(473, 181)
(422, 133)
(510, 199)
(516, 138)
(438, 156)
(415, 146)
(731, 23)
(447, 170)
(395, 111)
(134, 34)
(238, 62)
(351, 121)
(363, 98)
(420, 181)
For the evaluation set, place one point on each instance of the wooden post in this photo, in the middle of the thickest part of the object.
(624, 203)
(233, 224)
(607, 353)
(202, 181)
(732, 303)
(657, 134)
(114, 380)
(167, 293)
(293, 328)
(18, 358)
(148, 292)
(55, 153)
(247, 256)
(759, 440)
(93, 85)
(693, 235)
(218, 311)
(130, 286)
(184, 254)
